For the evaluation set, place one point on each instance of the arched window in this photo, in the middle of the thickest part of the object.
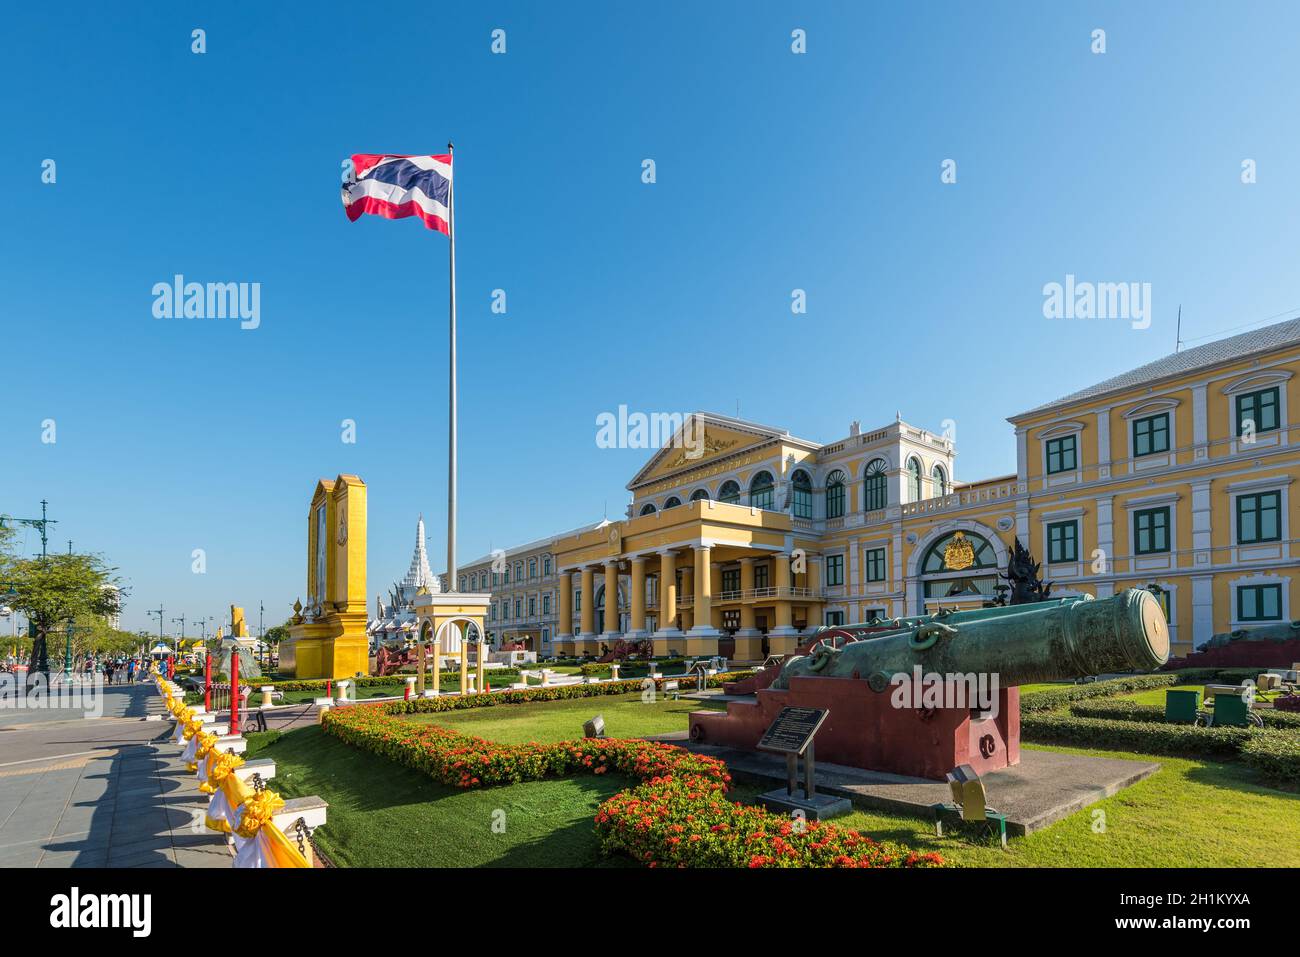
(875, 486)
(730, 492)
(959, 551)
(648, 508)
(760, 490)
(700, 494)
(940, 479)
(835, 494)
(673, 502)
(803, 500)
(914, 493)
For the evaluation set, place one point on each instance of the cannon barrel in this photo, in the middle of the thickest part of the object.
(1053, 640)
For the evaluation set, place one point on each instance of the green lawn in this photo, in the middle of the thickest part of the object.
(1044, 686)
(1191, 813)
(384, 815)
(1187, 814)
(626, 716)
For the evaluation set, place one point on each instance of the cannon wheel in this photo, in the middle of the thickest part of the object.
(1204, 719)
(1256, 720)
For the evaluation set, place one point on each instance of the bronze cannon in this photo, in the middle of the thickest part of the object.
(868, 725)
(1054, 640)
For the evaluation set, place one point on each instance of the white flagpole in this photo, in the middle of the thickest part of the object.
(451, 384)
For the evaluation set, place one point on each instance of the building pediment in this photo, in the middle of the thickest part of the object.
(704, 438)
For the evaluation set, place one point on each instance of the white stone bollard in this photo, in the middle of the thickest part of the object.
(343, 689)
(410, 688)
(613, 671)
(267, 692)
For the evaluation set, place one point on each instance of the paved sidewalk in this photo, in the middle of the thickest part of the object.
(100, 792)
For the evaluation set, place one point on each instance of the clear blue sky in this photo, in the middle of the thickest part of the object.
(775, 171)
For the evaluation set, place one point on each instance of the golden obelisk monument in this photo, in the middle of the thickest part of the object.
(327, 634)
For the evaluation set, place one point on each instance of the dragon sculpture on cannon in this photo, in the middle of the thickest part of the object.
(950, 653)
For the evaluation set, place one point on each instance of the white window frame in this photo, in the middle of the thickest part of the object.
(1260, 579)
(1159, 561)
(1257, 382)
(1144, 410)
(1261, 551)
(1061, 430)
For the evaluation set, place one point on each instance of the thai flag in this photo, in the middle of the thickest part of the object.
(399, 186)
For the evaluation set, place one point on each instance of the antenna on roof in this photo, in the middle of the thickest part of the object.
(1178, 334)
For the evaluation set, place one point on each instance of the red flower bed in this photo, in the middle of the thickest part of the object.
(678, 816)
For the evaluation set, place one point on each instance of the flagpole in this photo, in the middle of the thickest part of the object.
(451, 382)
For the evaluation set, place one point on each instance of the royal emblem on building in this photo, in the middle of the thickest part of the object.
(711, 446)
(959, 554)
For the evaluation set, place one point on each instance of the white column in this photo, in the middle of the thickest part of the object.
(1203, 609)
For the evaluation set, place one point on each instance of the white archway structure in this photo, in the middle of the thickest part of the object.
(915, 583)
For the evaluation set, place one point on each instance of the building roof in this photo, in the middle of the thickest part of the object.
(1214, 353)
(534, 545)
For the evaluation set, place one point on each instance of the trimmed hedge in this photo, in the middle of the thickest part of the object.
(539, 693)
(1120, 710)
(678, 816)
(1147, 737)
(1274, 754)
(1060, 697)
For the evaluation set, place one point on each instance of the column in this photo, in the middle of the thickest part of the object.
(781, 639)
(636, 624)
(588, 610)
(703, 637)
(436, 664)
(611, 601)
(688, 591)
(667, 603)
(564, 635)
(749, 640)
(816, 607)
(481, 647)
(715, 577)
(419, 659)
(464, 657)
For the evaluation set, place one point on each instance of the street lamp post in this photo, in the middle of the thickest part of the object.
(181, 619)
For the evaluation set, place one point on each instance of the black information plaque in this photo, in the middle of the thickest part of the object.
(793, 730)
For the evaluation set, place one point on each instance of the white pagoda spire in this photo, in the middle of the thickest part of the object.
(419, 575)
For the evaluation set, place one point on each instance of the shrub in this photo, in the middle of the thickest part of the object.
(678, 816)
(1120, 710)
(1055, 698)
(1147, 737)
(677, 822)
(1274, 754)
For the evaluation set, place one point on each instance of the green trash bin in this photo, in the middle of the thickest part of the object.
(1231, 711)
(1182, 705)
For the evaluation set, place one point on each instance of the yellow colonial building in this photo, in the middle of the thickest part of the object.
(1174, 476)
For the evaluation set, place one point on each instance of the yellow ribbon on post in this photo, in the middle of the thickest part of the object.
(192, 727)
(258, 808)
(223, 765)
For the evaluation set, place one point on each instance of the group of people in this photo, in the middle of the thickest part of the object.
(119, 672)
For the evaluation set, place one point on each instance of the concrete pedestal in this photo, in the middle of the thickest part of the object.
(820, 807)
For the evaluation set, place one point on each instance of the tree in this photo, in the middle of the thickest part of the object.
(60, 589)
(273, 636)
